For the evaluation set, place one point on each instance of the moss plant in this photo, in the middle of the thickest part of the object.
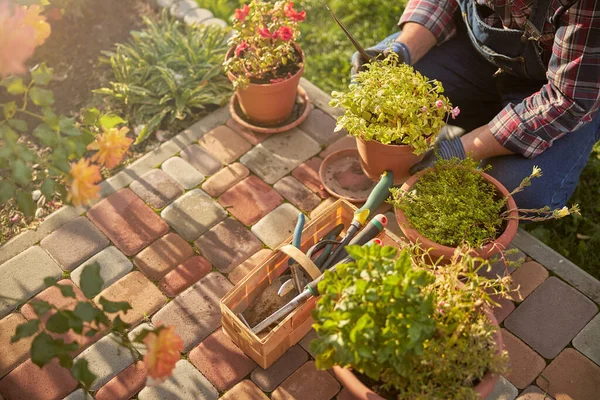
(414, 332)
(393, 104)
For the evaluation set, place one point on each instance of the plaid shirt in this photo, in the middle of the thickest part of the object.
(571, 97)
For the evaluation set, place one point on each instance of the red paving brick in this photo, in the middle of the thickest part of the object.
(53, 296)
(244, 268)
(308, 174)
(139, 292)
(503, 309)
(221, 361)
(297, 194)
(571, 375)
(347, 142)
(524, 363)
(245, 390)
(224, 144)
(12, 353)
(157, 188)
(156, 260)
(125, 385)
(527, 278)
(217, 184)
(250, 200)
(228, 244)
(268, 379)
(127, 221)
(29, 382)
(322, 385)
(253, 137)
(184, 275)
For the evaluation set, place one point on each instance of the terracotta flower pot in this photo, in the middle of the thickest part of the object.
(376, 158)
(361, 392)
(270, 103)
(437, 250)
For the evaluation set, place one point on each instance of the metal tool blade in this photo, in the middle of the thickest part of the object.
(354, 42)
(287, 287)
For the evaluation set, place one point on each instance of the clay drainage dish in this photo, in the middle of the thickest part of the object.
(343, 177)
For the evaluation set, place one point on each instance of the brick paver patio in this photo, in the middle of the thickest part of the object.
(179, 227)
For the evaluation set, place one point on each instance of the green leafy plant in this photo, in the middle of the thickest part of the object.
(408, 329)
(168, 73)
(263, 43)
(453, 204)
(392, 103)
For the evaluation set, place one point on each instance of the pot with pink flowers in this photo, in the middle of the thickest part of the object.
(265, 63)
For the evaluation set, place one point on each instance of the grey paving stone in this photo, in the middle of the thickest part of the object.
(197, 16)
(550, 317)
(588, 340)
(157, 188)
(305, 341)
(193, 214)
(79, 394)
(185, 383)
(140, 347)
(74, 242)
(504, 390)
(106, 358)
(199, 158)
(296, 193)
(113, 266)
(533, 392)
(180, 170)
(268, 379)
(268, 166)
(277, 225)
(180, 8)
(164, 3)
(22, 277)
(195, 313)
(213, 21)
(320, 125)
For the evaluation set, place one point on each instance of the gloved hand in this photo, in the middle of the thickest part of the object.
(380, 52)
(443, 149)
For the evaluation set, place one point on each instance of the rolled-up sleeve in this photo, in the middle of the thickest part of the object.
(433, 15)
(571, 97)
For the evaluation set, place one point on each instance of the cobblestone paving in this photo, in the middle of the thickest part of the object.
(184, 224)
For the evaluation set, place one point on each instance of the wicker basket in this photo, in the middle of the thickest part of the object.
(266, 349)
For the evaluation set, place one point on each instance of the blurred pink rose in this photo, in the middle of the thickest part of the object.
(17, 39)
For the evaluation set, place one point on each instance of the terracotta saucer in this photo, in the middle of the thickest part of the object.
(343, 177)
(299, 114)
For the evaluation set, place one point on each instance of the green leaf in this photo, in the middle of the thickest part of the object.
(25, 203)
(109, 121)
(7, 191)
(41, 97)
(75, 322)
(50, 281)
(46, 135)
(18, 124)
(114, 306)
(51, 118)
(86, 311)
(91, 115)
(91, 332)
(40, 307)
(14, 85)
(41, 74)
(119, 325)
(82, 373)
(9, 109)
(21, 173)
(65, 361)
(58, 323)
(43, 349)
(48, 188)
(67, 126)
(91, 282)
(67, 290)
(26, 329)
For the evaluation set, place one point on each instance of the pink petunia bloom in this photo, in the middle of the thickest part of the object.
(264, 33)
(455, 111)
(242, 13)
(439, 104)
(424, 109)
(285, 33)
(17, 39)
(289, 11)
(240, 48)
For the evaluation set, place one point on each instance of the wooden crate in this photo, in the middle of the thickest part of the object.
(266, 349)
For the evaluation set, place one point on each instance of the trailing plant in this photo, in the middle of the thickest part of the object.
(453, 204)
(392, 103)
(169, 73)
(412, 331)
(263, 43)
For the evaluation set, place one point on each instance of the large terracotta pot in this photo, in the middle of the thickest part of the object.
(375, 158)
(361, 392)
(270, 103)
(437, 250)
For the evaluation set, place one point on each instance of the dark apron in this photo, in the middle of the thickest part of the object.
(514, 51)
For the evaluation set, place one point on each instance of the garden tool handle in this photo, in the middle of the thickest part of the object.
(297, 238)
(302, 259)
(379, 193)
(371, 229)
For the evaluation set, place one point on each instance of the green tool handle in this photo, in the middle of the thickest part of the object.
(379, 193)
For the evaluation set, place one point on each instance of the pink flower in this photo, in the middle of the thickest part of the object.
(439, 104)
(17, 39)
(264, 32)
(455, 111)
(241, 14)
(240, 48)
(285, 33)
(424, 109)
(289, 11)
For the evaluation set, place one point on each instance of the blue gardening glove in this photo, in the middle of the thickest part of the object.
(380, 51)
(444, 149)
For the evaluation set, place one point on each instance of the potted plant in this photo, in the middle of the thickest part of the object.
(264, 62)
(455, 204)
(394, 112)
(393, 328)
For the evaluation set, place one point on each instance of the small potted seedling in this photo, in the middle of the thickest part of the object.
(395, 113)
(456, 204)
(393, 327)
(265, 63)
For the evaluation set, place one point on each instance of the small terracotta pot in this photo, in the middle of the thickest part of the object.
(437, 250)
(361, 392)
(270, 103)
(375, 158)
